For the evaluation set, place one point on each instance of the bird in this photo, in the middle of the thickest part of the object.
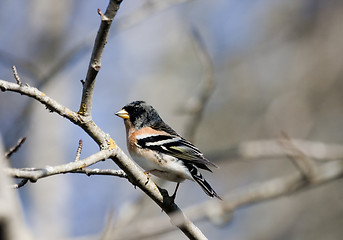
(160, 151)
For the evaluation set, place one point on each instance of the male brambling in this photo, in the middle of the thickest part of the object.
(159, 150)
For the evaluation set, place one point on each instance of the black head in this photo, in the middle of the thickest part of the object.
(140, 114)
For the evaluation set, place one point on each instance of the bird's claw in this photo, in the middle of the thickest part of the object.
(147, 174)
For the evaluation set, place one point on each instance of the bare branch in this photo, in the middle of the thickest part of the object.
(15, 148)
(32, 92)
(106, 172)
(95, 62)
(86, 171)
(33, 174)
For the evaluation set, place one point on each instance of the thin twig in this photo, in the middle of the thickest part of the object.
(16, 76)
(78, 151)
(20, 184)
(15, 148)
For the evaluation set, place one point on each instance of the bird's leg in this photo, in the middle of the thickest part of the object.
(147, 174)
(174, 194)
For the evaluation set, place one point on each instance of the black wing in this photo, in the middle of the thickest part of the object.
(177, 147)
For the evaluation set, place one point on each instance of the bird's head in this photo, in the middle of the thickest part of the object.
(140, 114)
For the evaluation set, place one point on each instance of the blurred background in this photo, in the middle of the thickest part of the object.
(276, 66)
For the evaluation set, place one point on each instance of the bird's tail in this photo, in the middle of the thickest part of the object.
(202, 182)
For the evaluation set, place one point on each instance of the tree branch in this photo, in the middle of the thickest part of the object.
(95, 62)
(105, 172)
(89, 172)
(33, 174)
(34, 93)
(15, 148)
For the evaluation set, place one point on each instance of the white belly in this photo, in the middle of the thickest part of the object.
(163, 166)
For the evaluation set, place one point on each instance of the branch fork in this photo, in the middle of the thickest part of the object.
(306, 166)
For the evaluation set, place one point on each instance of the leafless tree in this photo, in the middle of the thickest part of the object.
(284, 166)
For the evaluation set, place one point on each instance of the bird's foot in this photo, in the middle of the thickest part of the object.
(174, 194)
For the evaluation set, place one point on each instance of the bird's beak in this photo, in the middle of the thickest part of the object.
(123, 114)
